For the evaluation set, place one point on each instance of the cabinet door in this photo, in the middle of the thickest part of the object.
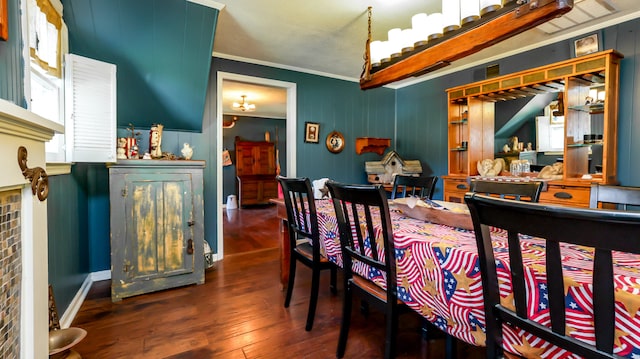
(158, 242)
(265, 160)
(244, 160)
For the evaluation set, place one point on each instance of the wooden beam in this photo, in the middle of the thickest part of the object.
(490, 33)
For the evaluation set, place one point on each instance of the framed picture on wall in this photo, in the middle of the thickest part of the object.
(4, 20)
(311, 132)
(587, 45)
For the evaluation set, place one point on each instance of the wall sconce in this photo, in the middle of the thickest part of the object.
(463, 28)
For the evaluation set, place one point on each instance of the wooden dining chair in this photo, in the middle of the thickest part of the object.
(618, 197)
(304, 240)
(359, 210)
(603, 230)
(520, 191)
(422, 187)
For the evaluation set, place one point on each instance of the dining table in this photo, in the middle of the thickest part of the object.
(438, 276)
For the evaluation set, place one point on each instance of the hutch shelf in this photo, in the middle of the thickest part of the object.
(471, 123)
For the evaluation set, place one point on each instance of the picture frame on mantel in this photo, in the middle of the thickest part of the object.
(587, 45)
(311, 132)
(4, 20)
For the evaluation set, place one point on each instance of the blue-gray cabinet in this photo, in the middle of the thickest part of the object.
(157, 229)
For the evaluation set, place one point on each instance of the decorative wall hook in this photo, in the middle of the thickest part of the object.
(37, 175)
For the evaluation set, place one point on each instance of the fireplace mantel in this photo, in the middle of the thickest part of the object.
(19, 127)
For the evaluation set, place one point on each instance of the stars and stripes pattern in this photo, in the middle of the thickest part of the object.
(439, 277)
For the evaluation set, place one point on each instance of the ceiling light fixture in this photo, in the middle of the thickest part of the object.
(463, 28)
(244, 105)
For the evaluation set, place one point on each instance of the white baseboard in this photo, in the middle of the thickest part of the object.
(78, 299)
(102, 275)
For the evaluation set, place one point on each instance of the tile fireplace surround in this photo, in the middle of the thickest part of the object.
(25, 316)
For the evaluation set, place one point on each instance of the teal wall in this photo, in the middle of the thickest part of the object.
(11, 64)
(69, 245)
(162, 49)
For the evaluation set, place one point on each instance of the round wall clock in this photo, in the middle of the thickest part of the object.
(335, 142)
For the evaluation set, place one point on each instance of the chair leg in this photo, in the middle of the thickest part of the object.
(313, 300)
(392, 331)
(345, 323)
(292, 277)
(424, 329)
(334, 278)
(364, 308)
(451, 347)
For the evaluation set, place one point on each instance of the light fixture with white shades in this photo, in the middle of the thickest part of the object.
(244, 105)
(463, 27)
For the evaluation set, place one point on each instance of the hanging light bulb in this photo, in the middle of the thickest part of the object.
(376, 55)
(469, 11)
(420, 25)
(407, 40)
(487, 6)
(395, 42)
(434, 28)
(451, 15)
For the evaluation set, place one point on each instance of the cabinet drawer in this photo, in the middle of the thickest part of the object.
(456, 186)
(270, 189)
(566, 195)
(455, 189)
(249, 186)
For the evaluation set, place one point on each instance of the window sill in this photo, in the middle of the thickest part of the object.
(58, 168)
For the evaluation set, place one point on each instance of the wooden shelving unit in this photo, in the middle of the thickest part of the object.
(471, 117)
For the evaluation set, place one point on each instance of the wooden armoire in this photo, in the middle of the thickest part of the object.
(255, 171)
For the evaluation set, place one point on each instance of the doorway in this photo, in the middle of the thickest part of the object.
(290, 139)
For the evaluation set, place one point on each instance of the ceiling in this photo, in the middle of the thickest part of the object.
(270, 101)
(328, 37)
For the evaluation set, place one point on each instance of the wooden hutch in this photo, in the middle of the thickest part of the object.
(471, 122)
(256, 171)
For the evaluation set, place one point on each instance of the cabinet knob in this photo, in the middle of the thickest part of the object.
(190, 246)
(191, 223)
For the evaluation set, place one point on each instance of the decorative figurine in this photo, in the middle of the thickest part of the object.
(187, 151)
(553, 171)
(490, 168)
(155, 140)
(121, 152)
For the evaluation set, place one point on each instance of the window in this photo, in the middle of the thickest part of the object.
(47, 41)
(84, 100)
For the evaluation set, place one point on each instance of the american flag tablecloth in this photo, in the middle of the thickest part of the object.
(439, 277)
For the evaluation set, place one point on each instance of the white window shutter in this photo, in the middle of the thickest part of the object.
(90, 109)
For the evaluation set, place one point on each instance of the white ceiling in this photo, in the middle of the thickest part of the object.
(270, 102)
(328, 37)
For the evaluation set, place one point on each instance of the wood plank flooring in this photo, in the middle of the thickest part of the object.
(238, 313)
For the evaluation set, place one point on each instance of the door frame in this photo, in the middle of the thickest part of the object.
(290, 134)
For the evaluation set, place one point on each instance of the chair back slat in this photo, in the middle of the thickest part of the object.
(520, 191)
(422, 187)
(555, 287)
(602, 284)
(603, 230)
(359, 209)
(301, 211)
(619, 196)
(517, 274)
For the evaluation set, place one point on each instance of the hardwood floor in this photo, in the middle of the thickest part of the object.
(249, 229)
(238, 313)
